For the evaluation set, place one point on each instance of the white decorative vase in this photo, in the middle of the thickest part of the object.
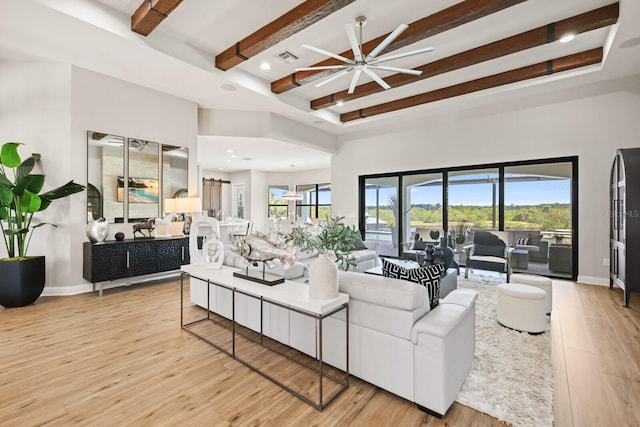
(323, 278)
(97, 230)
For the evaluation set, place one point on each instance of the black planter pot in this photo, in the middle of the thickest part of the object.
(21, 281)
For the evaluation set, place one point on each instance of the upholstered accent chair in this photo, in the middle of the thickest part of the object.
(488, 252)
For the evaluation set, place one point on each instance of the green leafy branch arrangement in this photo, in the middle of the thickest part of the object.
(19, 198)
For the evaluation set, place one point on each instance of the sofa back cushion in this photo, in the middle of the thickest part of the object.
(387, 305)
(380, 290)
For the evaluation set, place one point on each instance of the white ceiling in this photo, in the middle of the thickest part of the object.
(178, 57)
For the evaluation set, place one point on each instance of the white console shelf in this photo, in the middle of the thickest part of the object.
(212, 284)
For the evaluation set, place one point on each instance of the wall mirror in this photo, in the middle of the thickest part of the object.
(175, 173)
(105, 164)
(143, 183)
(131, 184)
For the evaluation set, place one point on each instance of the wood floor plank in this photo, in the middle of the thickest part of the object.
(561, 400)
(124, 360)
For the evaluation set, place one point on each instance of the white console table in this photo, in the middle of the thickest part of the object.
(292, 296)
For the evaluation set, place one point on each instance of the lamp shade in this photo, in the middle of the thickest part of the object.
(194, 204)
(170, 206)
(188, 204)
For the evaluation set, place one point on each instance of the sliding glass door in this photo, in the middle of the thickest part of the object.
(538, 212)
(532, 204)
(381, 219)
(474, 198)
(423, 207)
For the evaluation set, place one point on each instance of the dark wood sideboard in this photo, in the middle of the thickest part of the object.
(113, 260)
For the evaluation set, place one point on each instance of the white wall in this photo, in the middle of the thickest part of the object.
(51, 107)
(35, 100)
(590, 122)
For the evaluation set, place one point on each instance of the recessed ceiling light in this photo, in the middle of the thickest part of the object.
(228, 87)
(339, 104)
(228, 161)
(233, 156)
(567, 38)
(221, 169)
(229, 151)
(265, 66)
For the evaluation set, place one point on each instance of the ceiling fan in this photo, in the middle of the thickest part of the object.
(364, 63)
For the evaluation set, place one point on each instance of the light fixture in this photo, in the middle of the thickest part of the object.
(567, 38)
(169, 206)
(265, 66)
(292, 196)
(339, 104)
(188, 205)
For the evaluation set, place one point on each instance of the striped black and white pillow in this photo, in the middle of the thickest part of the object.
(428, 276)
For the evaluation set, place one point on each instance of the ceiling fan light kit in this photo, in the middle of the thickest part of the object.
(361, 62)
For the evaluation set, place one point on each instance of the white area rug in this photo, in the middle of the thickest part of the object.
(511, 377)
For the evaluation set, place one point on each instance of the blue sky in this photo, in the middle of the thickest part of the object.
(516, 193)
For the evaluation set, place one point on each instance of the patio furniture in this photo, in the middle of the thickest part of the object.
(488, 252)
(560, 258)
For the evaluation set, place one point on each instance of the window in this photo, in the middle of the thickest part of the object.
(423, 202)
(532, 203)
(474, 198)
(381, 213)
(315, 203)
(278, 208)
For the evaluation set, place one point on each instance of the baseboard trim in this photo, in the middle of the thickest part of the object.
(82, 288)
(593, 280)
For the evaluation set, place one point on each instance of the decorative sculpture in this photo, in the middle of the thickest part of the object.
(163, 225)
(97, 230)
(147, 225)
(257, 247)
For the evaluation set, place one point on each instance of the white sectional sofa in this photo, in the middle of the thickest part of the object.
(395, 341)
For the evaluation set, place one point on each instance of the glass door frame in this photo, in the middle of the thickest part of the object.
(501, 189)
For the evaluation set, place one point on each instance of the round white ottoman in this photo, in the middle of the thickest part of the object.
(521, 307)
(539, 282)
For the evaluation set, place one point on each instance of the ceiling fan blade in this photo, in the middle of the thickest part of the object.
(327, 53)
(396, 69)
(354, 81)
(353, 41)
(386, 42)
(400, 55)
(325, 67)
(377, 78)
(334, 77)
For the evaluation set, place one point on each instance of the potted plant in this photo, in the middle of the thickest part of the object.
(459, 234)
(336, 238)
(22, 277)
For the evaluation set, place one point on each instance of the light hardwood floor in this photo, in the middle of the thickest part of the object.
(124, 360)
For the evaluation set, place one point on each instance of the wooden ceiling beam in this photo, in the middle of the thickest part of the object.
(150, 14)
(446, 19)
(582, 59)
(297, 19)
(598, 18)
